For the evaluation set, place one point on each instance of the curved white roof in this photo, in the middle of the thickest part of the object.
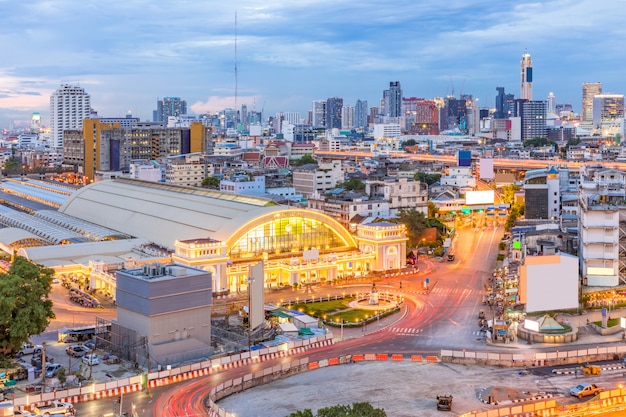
(164, 213)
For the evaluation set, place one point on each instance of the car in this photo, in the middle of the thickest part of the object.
(52, 369)
(585, 389)
(90, 345)
(91, 359)
(76, 350)
(29, 349)
(36, 360)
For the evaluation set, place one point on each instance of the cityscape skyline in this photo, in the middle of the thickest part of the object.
(289, 55)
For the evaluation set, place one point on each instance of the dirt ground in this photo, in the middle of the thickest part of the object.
(405, 390)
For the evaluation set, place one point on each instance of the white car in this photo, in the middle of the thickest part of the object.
(91, 359)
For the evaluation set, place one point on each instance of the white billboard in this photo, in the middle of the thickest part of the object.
(479, 197)
(256, 313)
(486, 169)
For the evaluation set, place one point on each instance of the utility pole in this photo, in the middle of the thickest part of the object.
(43, 367)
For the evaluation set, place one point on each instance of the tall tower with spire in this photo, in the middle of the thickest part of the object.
(526, 77)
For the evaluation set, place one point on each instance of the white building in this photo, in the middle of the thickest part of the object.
(147, 171)
(317, 178)
(69, 105)
(549, 282)
(602, 201)
(187, 170)
(347, 117)
(242, 184)
(460, 177)
(400, 193)
(387, 130)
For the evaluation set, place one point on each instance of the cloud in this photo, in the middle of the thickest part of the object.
(215, 104)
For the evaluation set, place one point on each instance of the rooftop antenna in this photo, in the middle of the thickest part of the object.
(236, 64)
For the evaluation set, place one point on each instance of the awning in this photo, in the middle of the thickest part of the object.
(306, 331)
(280, 314)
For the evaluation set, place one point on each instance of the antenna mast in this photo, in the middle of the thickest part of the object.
(236, 110)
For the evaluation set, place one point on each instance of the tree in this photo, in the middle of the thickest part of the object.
(508, 192)
(352, 184)
(409, 142)
(211, 182)
(363, 409)
(432, 209)
(303, 160)
(415, 223)
(25, 304)
(427, 178)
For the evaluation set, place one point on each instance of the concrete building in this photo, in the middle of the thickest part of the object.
(458, 177)
(163, 314)
(542, 194)
(69, 106)
(607, 108)
(317, 178)
(147, 171)
(169, 106)
(549, 282)
(526, 77)
(242, 184)
(601, 225)
(590, 90)
(400, 193)
(188, 170)
(387, 130)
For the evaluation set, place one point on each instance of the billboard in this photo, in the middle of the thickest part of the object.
(256, 315)
(486, 169)
(465, 158)
(479, 197)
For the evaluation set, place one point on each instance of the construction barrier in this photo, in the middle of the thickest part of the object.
(357, 358)
(333, 361)
(382, 357)
(417, 358)
(397, 357)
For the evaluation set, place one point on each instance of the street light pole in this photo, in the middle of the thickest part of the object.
(249, 281)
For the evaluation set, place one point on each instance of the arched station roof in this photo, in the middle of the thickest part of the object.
(163, 213)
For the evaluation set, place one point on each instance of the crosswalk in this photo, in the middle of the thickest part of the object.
(443, 290)
(410, 331)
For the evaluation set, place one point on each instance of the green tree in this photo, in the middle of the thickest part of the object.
(363, 409)
(427, 178)
(432, 209)
(13, 166)
(508, 193)
(415, 223)
(352, 184)
(211, 182)
(303, 160)
(409, 142)
(25, 304)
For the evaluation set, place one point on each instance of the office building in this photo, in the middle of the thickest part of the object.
(319, 113)
(590, 90)
(607, 108)
(551, 102)
(69, 106)
(393, 103)
(333, 112)
(169, 106)
(504, 104)
(421, 116)
(526, 77)
(533, 116)
(347, 117)
(360, 114)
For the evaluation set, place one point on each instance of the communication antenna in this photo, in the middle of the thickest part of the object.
(236, 110)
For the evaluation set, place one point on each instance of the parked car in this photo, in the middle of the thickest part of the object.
(76, 351)
(585, 389)
(90, 345)
(36, 360)
(52, 369)
(110, 359)
(29, 349)
(91, 359)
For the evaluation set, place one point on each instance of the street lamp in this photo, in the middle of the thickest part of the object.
(249, 282)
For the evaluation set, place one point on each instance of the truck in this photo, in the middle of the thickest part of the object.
(444, 402)
(585, 389)
(29, 349)
(55, 407)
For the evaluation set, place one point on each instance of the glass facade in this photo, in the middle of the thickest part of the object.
(289, 234)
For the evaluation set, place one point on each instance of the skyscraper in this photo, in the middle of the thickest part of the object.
(533, 116)
(395, 99)
(319, 113)
(347, 117)
(69, 106)
(607, 108)
(333, 112)
(526, 77)
(360, 114)
(169, 106)
(551, 103)
(590, 90)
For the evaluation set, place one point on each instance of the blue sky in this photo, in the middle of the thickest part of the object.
(128, 53)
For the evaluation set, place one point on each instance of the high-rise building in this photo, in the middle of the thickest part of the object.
(169, 106)
(347, 117)
(590, 90)
(504, 104)
(333, 112)
(551, 103)
(35, 122)
(607, 108)
(319, 113)
(421, 116)
(395, 100)
(360, 114)
(69, 106)
(526, 77)
(533, 115)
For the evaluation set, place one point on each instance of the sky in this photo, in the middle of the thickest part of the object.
(128, 53)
